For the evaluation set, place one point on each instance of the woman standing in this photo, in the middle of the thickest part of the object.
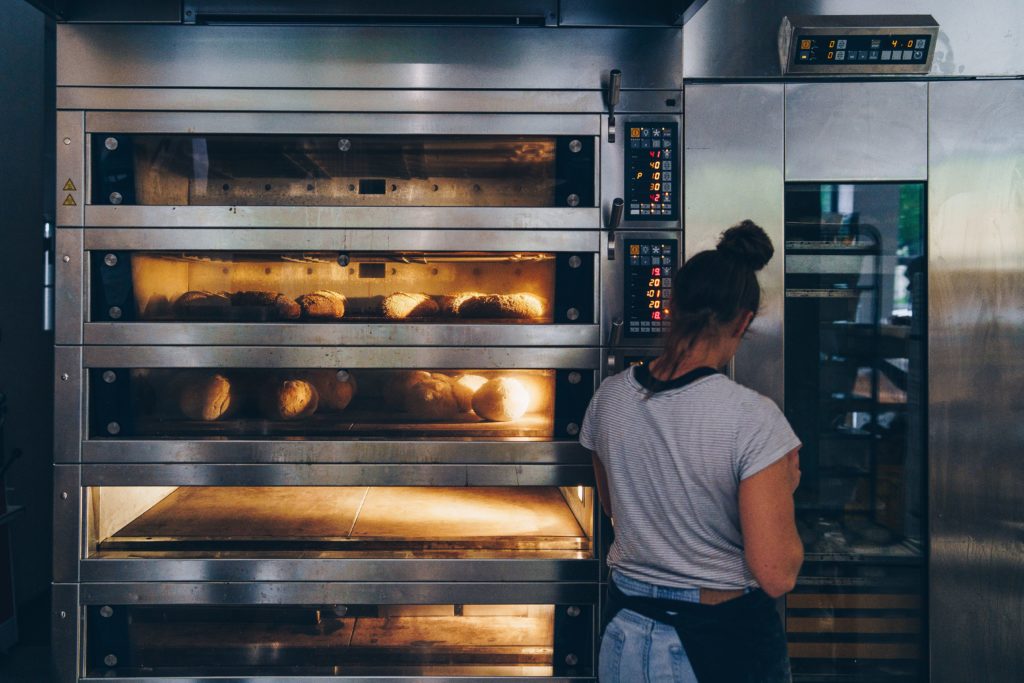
(697, 474)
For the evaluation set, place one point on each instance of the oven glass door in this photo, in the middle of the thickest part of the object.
(479, 640)
(538, 171)
(855, 354)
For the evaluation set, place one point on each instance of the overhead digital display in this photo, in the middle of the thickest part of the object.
(651, 171)
(838, 50)
(649, 270)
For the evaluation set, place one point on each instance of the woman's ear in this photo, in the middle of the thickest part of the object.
(743, 322)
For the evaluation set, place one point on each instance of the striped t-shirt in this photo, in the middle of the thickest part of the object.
(675, 459)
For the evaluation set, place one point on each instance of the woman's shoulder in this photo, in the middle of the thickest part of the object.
(743, 397)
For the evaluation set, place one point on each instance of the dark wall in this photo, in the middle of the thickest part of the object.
(26, 352)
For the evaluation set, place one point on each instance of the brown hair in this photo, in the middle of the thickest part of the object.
(716, 286)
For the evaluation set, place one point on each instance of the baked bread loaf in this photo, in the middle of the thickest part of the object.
(323, 304)
(451, 303)
(158, 306)
(289, 399)
(502, 399)
(432, 399)
(518, 305)
(206, 398)
(397, 385)
(401, 305)
(201, 303)
(335, 392)
(464, 386)
(283, 308)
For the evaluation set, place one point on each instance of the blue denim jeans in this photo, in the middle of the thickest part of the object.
(635, 648)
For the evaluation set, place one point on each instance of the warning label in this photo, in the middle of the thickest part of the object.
(70, 186)
(70, 201)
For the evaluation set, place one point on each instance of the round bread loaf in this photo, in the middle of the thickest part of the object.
(335, 393)
(451, 303)
(521, 305)
(323, 304)
(282, 307)
(398, 384)
(401, 305)
(201, 303)
(290, 399)
(464, 387)
(432, 399)
(502, 399)
(206, 398)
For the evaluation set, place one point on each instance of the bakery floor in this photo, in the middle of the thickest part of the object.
(429, 521)
(480, 640)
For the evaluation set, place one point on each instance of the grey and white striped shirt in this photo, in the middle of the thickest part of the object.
(675, 459)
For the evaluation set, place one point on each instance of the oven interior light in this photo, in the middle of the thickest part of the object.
(579, 493)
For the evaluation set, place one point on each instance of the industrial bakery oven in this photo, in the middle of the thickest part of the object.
(324, 347)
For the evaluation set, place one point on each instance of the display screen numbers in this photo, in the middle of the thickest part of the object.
(876, 50)
(650, 186)
(648, 286)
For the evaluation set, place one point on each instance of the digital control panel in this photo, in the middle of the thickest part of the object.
(650, 265)
(651, 172)
(820, 50)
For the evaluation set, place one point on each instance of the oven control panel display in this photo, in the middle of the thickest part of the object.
(649, 269)
(873, 50)
(651, 156)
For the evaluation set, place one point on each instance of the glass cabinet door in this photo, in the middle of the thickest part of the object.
(855, 287)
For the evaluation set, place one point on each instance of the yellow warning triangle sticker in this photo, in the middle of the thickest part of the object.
(70, 186)
(70, 201)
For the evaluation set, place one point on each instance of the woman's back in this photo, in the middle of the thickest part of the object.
(674, 457)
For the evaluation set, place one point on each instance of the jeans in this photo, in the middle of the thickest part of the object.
(635, 648)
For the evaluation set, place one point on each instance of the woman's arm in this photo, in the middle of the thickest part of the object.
(603, 494)
(771, 545)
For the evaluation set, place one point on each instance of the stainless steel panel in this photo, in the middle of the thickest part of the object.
(65, 633)
(337, 475)
(305, 679)
(613, 283)
(975, 374)
(351, 334)
(613, 163)
(395, 357)
(734, 171)
(856, 131)
(310, 451)
(341, 240)
(67, 523)
(604, 12)
(244, 123)
(304, 217)
(68, 404)
(70, 167)
(366, 57)
(339, 101)
(316, 593)
(324, 570)
(69, 291)
(974, 40)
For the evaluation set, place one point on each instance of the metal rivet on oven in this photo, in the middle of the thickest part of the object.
(110, 260)
(572, 429)
(573, 611)
(113, 428)
(575, 261)
(116, 198)
(64, 377)
(573, 200)
(572, 314)
(342, 375)
(63, 614)
(106, 611)
(570, 659)
(344, 144)
(63, 495)
(109, 376)
(343, 260)
(575, 377)
(66, 259)
(110, 660)
(110, 143)
(67, 141)
(575, 146)
(115, 312)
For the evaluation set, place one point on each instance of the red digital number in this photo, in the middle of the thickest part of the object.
(656, 315)
(656, 271)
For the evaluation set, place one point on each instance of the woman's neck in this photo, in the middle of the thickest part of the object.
(711, 353)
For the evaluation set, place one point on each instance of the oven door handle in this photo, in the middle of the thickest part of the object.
(614, 221)
(614, 90)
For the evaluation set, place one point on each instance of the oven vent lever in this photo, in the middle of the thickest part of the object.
(614, 90)
(49, 249)
(614, 220)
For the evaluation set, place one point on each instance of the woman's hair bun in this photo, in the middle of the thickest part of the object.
(747, 242)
